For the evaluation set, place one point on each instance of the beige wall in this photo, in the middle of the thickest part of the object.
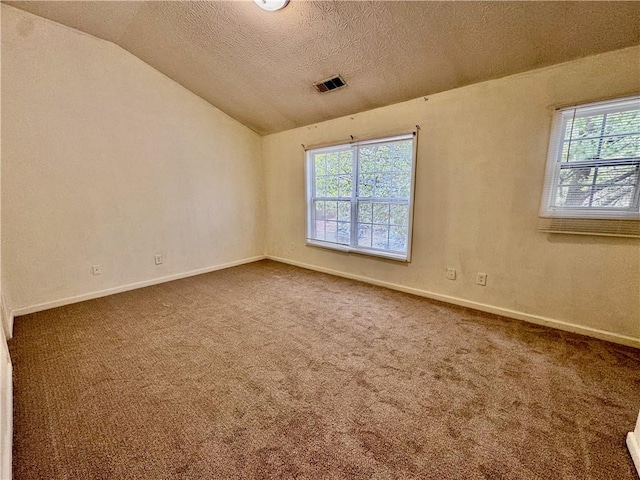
(107, 161)
(481, 160)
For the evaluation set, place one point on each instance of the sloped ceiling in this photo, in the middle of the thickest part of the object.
(259, 67)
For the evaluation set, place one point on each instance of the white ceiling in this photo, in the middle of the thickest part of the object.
(259, 67)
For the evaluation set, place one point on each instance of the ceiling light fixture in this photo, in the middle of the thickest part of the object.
(271, 5)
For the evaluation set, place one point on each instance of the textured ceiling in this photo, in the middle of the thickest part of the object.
(259, 67)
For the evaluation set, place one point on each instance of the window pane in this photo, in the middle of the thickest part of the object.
(383, 225)
(581, 175)
(383, 187)
(344, 211)
(386, 157)
(587, 196)
(580, 150)
(399, 214)
(364, 235)
(401, 185)
(403, 163)
(618, 174)
(365, 227)
(603, 136)
(319, 207)
(366, 184)
(585, 127)
(613, 196)
(603, 186)
(620, 147)
(346, 161)
(331, 183)
(331, 210)
(318, 226)
(574, 196)
(321, 187)
(385, 169)
(385, 172)
(622, 122)
(380, 238)
(319, 233)
(398, 238)
(329, 221)
(331, 231)
(318, 163)
(333, 163)
(344, 186)
(366, 161)
(365, 212)
(381, 213)
(624, 146)
(344, 233)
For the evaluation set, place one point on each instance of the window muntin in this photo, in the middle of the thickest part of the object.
(360, 196)
(593, 168)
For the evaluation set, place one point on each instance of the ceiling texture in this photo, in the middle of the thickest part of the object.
(259, 67)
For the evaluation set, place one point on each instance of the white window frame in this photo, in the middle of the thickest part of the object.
(354, 247)
(555, 161)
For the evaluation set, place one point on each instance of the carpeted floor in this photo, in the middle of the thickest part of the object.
(271, 371)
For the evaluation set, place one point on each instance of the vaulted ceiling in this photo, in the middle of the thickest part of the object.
(259, 66)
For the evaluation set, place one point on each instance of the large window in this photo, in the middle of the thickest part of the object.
(593, 168)
(360, 196)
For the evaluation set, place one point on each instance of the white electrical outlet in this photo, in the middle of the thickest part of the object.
(451, 273)
(96, 269)
(158, 258)
(481, 279)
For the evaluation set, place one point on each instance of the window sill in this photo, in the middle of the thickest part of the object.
(400, 257)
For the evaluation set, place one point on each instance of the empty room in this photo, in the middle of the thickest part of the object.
(290, 239)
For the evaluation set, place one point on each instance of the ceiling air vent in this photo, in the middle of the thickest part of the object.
(330, 84)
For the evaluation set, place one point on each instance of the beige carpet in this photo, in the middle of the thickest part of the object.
(271, 371)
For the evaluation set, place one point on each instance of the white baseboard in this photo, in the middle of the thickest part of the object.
(124, 288)
(633, 444)
(505, 312)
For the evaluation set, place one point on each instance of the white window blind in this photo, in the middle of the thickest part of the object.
(592, 183)
(360, 196)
